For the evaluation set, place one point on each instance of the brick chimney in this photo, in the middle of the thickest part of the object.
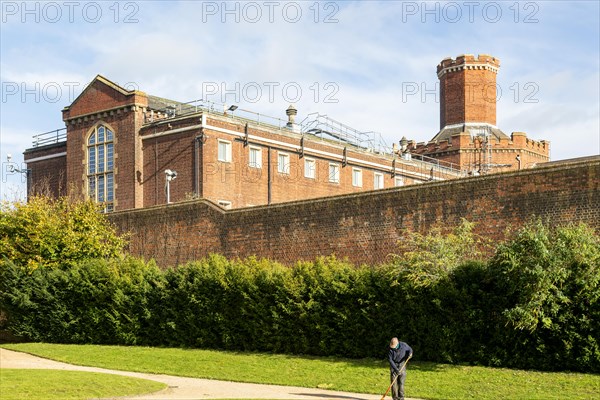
(468, 89)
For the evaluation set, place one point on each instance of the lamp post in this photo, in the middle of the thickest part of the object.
(169, 176)
(11, 168)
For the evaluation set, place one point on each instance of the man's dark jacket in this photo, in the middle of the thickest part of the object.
(398, 355)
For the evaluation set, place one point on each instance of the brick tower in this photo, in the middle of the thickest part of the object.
(468, 90)
(468, 138)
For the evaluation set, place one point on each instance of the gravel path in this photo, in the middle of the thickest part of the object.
(189, 388)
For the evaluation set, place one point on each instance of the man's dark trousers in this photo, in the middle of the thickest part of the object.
(398, 386)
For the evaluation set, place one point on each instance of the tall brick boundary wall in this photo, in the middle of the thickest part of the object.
(364, 227)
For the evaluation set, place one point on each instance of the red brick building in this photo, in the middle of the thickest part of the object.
(127, 149)
(468, 135)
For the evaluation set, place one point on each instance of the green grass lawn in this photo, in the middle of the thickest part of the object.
(19, 384)
(425, 380)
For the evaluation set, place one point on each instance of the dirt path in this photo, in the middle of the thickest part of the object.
(188, 388)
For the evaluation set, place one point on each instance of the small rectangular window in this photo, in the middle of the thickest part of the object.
(399, 181)
(310, 168)
(101, 158)
(255, 157)
(378, 181)
(91, 160)
(110, 188)
(283, 163)
(356, 177)
(92, 187)
(109, 157)
(101, 188)
(334, 173)
(224, 151)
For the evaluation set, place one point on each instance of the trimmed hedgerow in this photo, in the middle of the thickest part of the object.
(533, 304)
(94, 301)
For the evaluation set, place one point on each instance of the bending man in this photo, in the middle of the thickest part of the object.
(399, 353)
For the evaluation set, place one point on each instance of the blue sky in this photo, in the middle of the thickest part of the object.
(370, 64)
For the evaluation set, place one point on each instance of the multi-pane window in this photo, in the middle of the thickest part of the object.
(334, 173)
(310, 168)
(100, 167)
(356, 177)
(224, 149)
(254, 157)
(378, 181)
(283, 163)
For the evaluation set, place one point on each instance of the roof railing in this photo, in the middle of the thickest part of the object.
(195, 106)
(316, 124)
(50, 137)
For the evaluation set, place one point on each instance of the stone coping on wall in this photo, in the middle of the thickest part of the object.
(541, 169)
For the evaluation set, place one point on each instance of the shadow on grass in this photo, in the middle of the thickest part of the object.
(329, 396)
(428, 366)
(345, 363)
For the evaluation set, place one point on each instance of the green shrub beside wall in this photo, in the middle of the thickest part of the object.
(46, 232)
(95, 301)
(547, 289)
(323, 308)
(534, 304)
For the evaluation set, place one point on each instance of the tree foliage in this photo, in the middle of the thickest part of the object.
(548, 284)
(46, 232)
(425, 259)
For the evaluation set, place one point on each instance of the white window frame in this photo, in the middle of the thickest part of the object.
(336, 168)
(310, 172)
(283, 168)
(258, 163)
(227, 144)
(399, 181)
(378, 177)
(356, 177)
(100, 166)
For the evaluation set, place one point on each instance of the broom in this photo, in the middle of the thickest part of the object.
(396, 378)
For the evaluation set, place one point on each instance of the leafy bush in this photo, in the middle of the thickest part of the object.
(46, 232)
(425, 259)
(548, 283)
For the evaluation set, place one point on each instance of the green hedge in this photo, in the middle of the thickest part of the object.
(95, 301)
(534, 304)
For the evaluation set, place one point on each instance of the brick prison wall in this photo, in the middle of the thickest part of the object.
(364, 227)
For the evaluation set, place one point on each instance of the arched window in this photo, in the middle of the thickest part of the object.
(100, 165)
